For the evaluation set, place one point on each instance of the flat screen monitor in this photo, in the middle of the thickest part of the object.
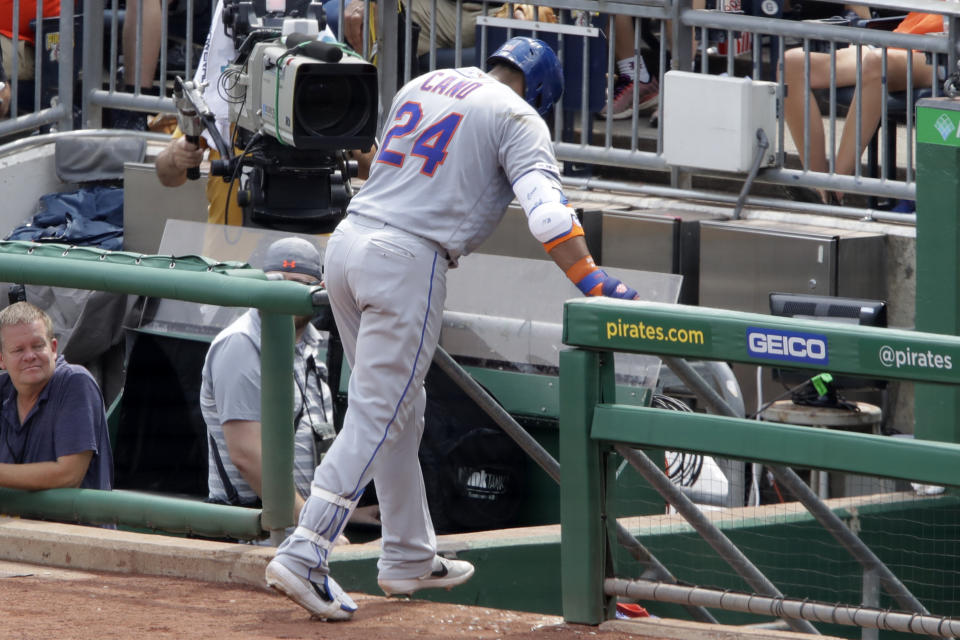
(872, 313)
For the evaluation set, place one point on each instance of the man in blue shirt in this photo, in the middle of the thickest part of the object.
(53, 427)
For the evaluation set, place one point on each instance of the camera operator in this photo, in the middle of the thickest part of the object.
(181, 154)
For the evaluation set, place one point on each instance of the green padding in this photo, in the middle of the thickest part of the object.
(917, 460)
(715, 334)
(210, 287)
(52, 250)
(133, 509)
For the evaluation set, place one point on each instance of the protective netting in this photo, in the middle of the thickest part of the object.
(913, 529)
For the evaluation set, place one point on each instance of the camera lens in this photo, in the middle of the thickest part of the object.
(331, 105)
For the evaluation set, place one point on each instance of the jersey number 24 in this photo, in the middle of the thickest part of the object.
(431, 145)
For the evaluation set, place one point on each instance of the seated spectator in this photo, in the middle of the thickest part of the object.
(149, 53)
(633, 69)
(148, 49)
(53, 427)
(630, 69)
(872, 89)
(420, 12)
(230, 393)
(26, 38)
(24, 48)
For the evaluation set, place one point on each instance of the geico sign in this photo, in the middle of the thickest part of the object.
(787, 345)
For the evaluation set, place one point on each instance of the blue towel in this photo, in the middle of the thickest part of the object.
(90, 216)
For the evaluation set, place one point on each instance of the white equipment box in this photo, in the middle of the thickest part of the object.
(711, 122)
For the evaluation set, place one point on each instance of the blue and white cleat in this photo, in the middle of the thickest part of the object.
(325, 601)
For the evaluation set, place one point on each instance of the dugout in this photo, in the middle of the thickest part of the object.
(508, 339)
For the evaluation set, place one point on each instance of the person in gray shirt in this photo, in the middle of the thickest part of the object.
(230, 393)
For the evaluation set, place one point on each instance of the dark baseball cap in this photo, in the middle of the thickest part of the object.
(294, 255)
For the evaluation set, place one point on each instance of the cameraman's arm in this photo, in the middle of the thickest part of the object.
(172, 163)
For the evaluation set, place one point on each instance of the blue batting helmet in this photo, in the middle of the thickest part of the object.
(543, 78)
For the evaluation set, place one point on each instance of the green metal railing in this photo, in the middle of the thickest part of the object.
(591, 422)
(193, 279)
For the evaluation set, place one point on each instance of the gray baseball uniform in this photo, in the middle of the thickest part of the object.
(455, 141)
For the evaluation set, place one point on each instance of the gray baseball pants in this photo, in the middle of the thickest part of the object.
(387, 289)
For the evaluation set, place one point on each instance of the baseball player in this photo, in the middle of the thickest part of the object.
(458, 147)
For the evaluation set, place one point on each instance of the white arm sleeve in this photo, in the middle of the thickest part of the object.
(545, 205)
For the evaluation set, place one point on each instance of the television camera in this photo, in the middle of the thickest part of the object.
(296, 105)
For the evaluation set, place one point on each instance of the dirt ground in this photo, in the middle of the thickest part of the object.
(44, 602)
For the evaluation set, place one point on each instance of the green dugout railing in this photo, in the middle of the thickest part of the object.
(193, 279)
(591, 422)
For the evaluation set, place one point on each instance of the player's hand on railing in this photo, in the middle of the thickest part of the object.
(614, 288)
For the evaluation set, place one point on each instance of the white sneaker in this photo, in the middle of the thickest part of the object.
(445, 573)
(325, 602)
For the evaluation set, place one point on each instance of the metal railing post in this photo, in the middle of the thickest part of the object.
(387, 52)
(583, 546)
(65, 80)
(870, 598)
(937, 410)
(276, 412)
(682, 37)
(92, 76)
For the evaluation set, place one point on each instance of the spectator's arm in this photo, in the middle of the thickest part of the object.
(243, 447)
(66, 471)
(5, 94)
(149, 45)
(172, 163)
(353, 17)
(859, 9)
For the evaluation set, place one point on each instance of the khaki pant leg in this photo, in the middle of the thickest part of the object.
(446, 23)
(25, 59)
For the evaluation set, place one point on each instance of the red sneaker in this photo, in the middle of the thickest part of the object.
(648, 96)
